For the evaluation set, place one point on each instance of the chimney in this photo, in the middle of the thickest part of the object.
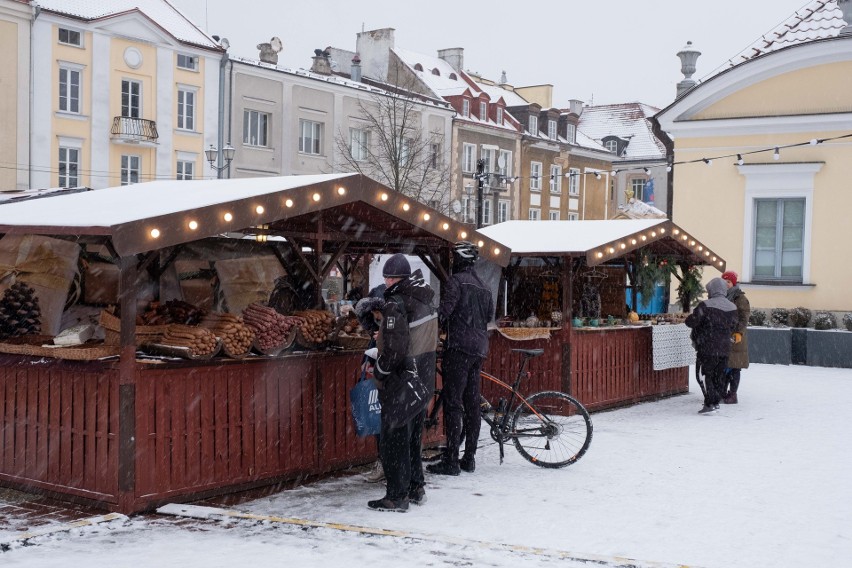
(356, 68)
(575, 106)
(503, 79)
(846, 7)
(321, 64)
(688, 56)
(269, 51)
(374, 49)
(454, 56)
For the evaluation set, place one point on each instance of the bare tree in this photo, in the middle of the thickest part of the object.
(393, 147)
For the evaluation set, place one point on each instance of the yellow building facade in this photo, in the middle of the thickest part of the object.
(15, 19)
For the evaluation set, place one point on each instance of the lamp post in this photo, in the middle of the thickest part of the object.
(220, 160)
(480, 188)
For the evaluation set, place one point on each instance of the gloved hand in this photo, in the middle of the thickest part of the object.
(737, 337)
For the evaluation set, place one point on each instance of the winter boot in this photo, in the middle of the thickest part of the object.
(468, 464)
(708, 409)
(388, 504)
(444, 468)
(376, 474)
(417, 495)
(730, 399)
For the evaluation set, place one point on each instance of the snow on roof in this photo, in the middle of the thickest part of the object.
(496, 92)
(585, 141)
(159, 11)
(563, 236)
(636, 209)
(819, 19)
(440, 84)
(13, 195)
(116, 205)
(629, 121)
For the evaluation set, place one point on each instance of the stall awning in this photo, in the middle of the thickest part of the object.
(149, 216)
(601, 241)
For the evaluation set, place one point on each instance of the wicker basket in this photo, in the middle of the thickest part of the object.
(34, 347)
(352, 342)
(144, 333)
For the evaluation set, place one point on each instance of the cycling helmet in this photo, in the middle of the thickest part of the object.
(465, 252)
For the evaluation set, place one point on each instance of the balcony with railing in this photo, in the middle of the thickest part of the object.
(133, 130)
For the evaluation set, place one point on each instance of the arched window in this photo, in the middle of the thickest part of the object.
(418, 67)
(436, 72)
(453, 77)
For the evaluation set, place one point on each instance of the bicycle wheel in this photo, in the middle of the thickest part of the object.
(552, 429)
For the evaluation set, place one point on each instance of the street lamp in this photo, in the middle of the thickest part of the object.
(212, 154)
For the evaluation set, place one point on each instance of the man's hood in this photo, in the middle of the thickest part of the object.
(716, 287)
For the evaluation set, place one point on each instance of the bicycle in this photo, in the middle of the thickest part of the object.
(549, 429)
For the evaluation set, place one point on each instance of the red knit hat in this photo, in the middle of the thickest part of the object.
(731, 277)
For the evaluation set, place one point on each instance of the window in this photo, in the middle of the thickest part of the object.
(533, 125)
(506, 159)
(465, 107)
(500, 115)
(535, 214)
(638, 187)
(255, 128)
(359, 140)
(535, 176)
(468, 157)
(187, 62)
(483, 111)
(129, 170)
(554, 215)
(131, 98)
(406, 150)
(468, 213)
(611, 145)
(186, 109)
(310, 137)
(70, 37)
(573, 181)
(69, 165)
(185, 170)
(555, 179)
(69, 90)
(489, 154)
(434, 154)
(551, 129)
(779, 228)
(573, 216)
(571, 134)
(502, 211)
(486, 211)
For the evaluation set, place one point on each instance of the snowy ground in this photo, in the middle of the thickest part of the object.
(763, 483)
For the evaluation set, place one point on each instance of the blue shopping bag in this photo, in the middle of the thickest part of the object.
(366, 409)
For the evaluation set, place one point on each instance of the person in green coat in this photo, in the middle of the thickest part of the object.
(738, 358)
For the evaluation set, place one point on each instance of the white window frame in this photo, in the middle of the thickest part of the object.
(637, 185)
(555, 178)
(468, 157)
(69, 157)
(499, 114)
(359, 141)
(466, 107)
(535, 214)
(503, 210)
(506, 170)
(255, 130)
(435, 155)
(310, 137)
(487, 206)
(192, 60)
(571, 135)
(186, 99)
(552, 129)
(533, 125)
(468, 209)
(488, 153)
(535, 176)
(573, 216)
(553, 215)
(777, 181)
(611, 145)
(66, 92)
(406, 150)
(132, 109)
(573, 181)
(185, 170)
(69, 32)
(483, 111)
(131, 167)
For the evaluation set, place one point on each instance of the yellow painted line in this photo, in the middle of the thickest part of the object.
(65, 527)
(214, 513)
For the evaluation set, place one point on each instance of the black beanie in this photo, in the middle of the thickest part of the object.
(397, 267)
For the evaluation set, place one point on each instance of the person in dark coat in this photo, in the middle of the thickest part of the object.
(738, 358)
(466, 308)
(405, 371)
(712, 323)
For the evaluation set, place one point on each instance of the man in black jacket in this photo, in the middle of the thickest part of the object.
(405, 370)
(712, 323)
(466, 308)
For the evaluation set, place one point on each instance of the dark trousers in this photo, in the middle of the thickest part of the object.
(462, 411)
(733, 380)
(400, 450)
(713, 369)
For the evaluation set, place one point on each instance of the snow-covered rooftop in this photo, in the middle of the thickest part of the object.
(160, 12)
(818, 19)
(441, 83)
(563, 236)
(629, 121)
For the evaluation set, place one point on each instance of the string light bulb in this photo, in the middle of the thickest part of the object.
(228, 217)
(777, 154)
(155, 233)
(259, 209)
(317, 197)
(406, 206)
(289, 203)
(647, 171)
(193, 225)
(740, 160)
(707, 161)
(597, 175)
(341, 191)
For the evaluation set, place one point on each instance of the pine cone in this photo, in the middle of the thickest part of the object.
(20, 313)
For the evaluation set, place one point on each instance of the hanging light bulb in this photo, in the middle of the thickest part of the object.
(814, 142)
(777, 155)
(740, 160)
(707, 161)
(597, 175)
(647, 171)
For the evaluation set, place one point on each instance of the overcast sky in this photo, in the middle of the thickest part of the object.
(608, 51)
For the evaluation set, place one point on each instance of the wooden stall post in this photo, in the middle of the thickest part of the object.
(567, 315)
(127, 292)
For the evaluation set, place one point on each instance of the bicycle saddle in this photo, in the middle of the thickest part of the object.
(529, 352)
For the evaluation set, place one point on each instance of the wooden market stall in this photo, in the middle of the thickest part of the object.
(565, 290)
(129, 432)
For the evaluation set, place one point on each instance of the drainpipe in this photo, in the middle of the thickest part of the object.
(221, 140)
(36, 12)
(230, 106)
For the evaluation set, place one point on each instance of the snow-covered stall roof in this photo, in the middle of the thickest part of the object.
(601, 241)
(149, 216)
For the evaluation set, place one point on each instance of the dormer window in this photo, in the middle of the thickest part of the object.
(533, 125)
(465, 107)
(418, 67)
(551, 129)
(483, 111)
(435, 71)
(611, 145)
(454, 77)
(500, 116)
(70, 37)
(572, 134)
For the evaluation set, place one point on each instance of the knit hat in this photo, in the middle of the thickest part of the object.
(731, 277)
(397, 267)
